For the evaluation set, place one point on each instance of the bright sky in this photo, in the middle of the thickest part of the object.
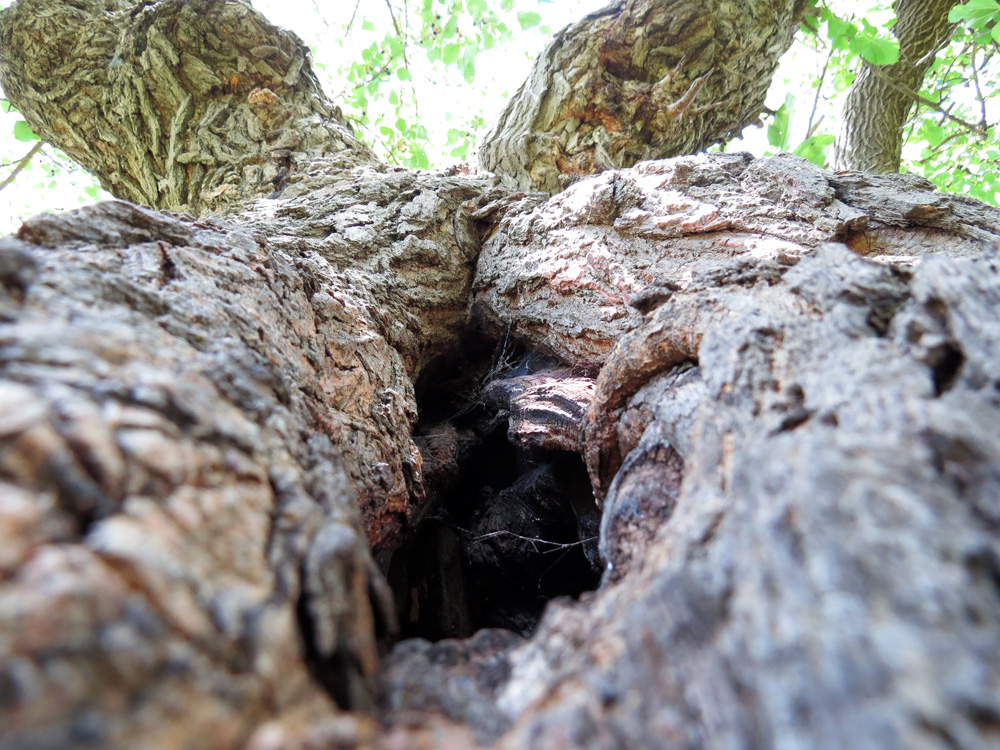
(445, 101)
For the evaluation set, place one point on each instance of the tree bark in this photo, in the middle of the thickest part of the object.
(881, 98)
(193, 104)
(639, 80)
(758, 397)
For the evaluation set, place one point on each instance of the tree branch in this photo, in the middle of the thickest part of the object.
(21, 164)
(923, 100)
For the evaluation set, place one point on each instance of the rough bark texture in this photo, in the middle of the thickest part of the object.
(178, 103)
(640, 79)
(802, 536)
(172, 503)
(882, 96)
(760, 397)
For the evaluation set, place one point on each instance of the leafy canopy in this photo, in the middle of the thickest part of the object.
(951, 136)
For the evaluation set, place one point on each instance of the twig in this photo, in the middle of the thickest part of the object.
(677, 108)
(979, 91)
(353, 16)
(556, 546)
(819, 90)
(21, 164)
(935, 150)
(936, 106)
(392, 15)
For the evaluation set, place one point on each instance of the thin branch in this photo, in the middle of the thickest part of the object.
(21, 164)
(936, 106)
(392, 15)
(933, 53)
(936, 150)
(979, 91)
(353, 16)
(819, 90)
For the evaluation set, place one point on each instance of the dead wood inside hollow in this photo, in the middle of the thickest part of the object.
(510, 524)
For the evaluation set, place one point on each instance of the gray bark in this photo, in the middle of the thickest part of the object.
(782, 383)
(795, 448)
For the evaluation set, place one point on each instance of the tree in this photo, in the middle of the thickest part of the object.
(880, 100)
(241, 451)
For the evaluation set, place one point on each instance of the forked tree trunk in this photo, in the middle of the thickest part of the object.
(760, 398)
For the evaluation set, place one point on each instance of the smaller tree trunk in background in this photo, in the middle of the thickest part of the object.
(882, 96)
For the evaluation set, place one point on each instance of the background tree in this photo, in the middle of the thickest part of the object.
(750, 401)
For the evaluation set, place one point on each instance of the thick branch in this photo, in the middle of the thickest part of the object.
(179, 103)
(639, 80)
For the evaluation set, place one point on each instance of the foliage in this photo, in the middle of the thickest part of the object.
(46, 179)
(951, 137)
(435, 39)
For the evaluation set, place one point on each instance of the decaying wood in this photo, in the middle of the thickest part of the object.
(544, 409)
(780, 384)
(639, 79)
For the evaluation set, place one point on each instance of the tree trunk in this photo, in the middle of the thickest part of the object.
(749, 403)
(882, 96)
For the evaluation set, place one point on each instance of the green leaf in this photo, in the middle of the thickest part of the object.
(395, 45)
(814, 149)
(24, 133)
(419, 159)
(875, 51)
(777, 131)
(932, 133)
(367, 25)
(975, 13)
(839, 31)
(528, 19)
(403, 74)
(450, 53)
